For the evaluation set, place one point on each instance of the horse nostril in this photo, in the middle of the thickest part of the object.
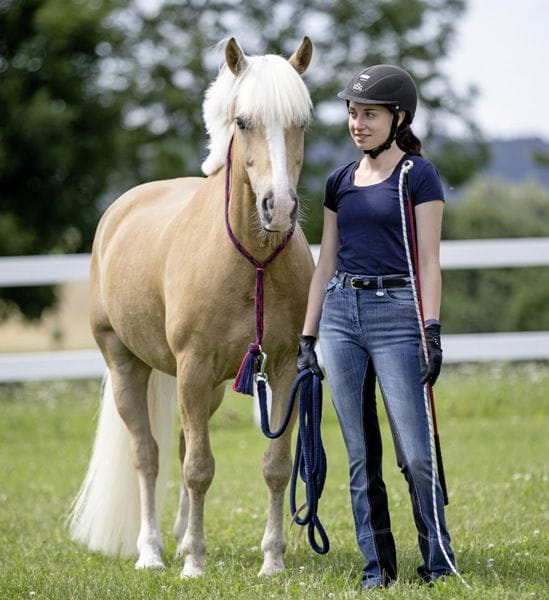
(293, 214)
(267, 204)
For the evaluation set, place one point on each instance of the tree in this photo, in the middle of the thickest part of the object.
(56, 143)
(509, 299)
(541, 158)
(105, 111)
(169, 63)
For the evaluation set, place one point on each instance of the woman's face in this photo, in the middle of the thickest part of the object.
(369, 124)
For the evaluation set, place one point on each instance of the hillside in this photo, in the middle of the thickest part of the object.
(512, 160)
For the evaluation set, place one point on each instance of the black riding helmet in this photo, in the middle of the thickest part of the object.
(386, 85)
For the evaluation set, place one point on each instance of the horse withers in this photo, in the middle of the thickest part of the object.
(172, 310)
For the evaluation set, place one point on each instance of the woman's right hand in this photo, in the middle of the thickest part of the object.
(306, 355)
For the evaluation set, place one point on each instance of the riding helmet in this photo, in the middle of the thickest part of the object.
(383, 84)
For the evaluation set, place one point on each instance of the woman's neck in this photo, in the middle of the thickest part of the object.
(374, 170)
(386, 161)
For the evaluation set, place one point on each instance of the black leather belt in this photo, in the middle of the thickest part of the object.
(366, 283)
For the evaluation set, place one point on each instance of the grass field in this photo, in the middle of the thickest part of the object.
(494, 427)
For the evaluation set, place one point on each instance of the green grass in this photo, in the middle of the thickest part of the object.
(494, 425)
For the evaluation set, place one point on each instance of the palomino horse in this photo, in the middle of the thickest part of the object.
(172, 298)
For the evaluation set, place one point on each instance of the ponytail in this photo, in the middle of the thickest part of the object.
(407, 141)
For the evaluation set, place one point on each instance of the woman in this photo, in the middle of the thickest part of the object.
(361, 305)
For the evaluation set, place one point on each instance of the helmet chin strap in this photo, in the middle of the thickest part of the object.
(375, 152)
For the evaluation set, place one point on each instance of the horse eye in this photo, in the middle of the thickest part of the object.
(242, 123)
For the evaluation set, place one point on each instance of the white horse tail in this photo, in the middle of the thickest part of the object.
(105, 515)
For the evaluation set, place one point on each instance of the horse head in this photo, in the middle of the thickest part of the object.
(264, 106)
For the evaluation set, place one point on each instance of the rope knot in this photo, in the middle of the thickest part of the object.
(254, 348)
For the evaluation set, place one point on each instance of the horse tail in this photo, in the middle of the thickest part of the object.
(105, 515)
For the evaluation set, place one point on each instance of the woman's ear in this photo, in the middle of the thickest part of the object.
(401, 117)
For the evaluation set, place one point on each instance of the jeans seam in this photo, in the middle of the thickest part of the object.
(412, 479)
(372, 533)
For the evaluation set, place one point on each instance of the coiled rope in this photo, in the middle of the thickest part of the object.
(310, 457)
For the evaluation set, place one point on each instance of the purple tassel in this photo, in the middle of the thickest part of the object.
(244, 380)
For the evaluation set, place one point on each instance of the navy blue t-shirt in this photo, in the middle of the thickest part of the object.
(368, 217)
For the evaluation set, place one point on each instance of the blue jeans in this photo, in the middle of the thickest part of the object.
(377, 329)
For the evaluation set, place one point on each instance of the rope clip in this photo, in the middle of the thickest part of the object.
(261, 372)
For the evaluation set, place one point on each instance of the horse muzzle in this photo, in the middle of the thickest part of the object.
(278, 213)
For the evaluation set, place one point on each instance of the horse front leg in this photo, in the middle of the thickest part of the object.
(277, 466)
(198, 464)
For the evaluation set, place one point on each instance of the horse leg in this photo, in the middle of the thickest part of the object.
(277, 466)
(129, 380)
(182, 516)
(198, 465)
(183, 509)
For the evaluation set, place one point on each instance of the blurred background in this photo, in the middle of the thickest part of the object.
(97, 96)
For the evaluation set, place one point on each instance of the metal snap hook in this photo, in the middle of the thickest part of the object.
(261, 372)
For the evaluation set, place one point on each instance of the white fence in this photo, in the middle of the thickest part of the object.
(463, 254)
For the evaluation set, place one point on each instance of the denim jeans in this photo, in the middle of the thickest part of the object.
(378, 328)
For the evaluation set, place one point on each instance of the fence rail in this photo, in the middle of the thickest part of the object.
(455, 254)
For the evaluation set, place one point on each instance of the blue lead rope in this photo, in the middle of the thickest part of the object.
(310, 457)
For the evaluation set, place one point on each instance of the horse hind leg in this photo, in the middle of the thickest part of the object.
(182, 516)
(129, 379)
(194, 393)
(277, 466)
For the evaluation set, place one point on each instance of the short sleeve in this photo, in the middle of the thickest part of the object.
(329, 194)
(427, 185)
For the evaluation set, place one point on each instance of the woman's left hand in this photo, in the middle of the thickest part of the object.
(434, 350)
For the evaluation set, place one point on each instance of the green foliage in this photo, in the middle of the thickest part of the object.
(541, 158)
(492, 208)
(457, 160)
(512, 299)
(56, 134)
(493, 424)
(99, 96)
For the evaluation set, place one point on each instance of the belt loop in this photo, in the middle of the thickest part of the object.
(379, 286)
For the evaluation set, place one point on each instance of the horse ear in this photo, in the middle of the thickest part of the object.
(301, 58)
(235, 57)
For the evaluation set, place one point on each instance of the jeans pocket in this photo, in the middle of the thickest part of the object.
(332, 284)
(402, 295)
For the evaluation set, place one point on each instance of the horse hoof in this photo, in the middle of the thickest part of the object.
(189, 571)
(149, 560)
(156, 565)
(271, 568)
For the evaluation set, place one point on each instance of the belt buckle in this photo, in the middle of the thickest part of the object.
(359, 284)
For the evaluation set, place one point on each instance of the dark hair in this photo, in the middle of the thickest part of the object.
(407, 141)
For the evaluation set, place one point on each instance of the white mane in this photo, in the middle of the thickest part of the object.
(269, 90)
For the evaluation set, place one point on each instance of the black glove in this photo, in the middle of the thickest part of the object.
(306, 355)
(434, 350)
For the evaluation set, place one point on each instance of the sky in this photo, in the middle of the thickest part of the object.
(502, 47)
